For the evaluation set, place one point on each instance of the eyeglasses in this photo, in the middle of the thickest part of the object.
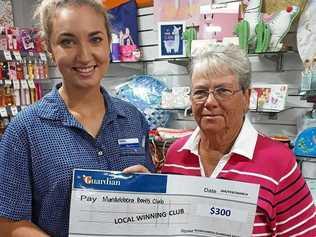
(220, 94)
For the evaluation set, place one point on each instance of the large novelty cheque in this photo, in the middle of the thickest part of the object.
(106, 203)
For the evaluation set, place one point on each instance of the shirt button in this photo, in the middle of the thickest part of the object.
(100, 153)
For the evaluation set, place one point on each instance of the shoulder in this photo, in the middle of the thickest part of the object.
(274, 154)
(128, 111)
(181, 161)
(275, 149)
(125, 106)
(177, 144)
(25, 117)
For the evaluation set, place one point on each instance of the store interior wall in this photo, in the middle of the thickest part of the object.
(264, 71)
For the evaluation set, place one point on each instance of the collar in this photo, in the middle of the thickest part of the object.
(53, 107)
(244, 144)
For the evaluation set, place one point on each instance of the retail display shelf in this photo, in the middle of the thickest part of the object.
(272, 114)
(277, 57)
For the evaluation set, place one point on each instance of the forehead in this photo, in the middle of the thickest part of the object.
(72, 19)
(213, 80)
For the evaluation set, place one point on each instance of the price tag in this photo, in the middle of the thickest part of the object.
(23, 107)
(24, 84)
(16, 84)
(7, 55)
(14, 110)
(31, 84)
(43, 57)
(3, 112)
(7, 82)
(17, 55)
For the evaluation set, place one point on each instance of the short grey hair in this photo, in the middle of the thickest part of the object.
(46, 10)
(222, 60)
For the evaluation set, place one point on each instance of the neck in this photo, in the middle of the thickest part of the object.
(221, 142)
(81, 100)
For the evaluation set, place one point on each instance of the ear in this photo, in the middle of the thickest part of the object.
(49, 49)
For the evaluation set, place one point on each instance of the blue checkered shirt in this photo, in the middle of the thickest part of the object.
(43, 145)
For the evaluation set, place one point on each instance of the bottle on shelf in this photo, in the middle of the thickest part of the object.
(25, 72)
(19, 70)
(3, 39)
(45, 70)
(1, 70)
(35, 70)
(30, 69)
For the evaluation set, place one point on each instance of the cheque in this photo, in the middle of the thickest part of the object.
(107, 203)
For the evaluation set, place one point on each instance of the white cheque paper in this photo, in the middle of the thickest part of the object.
(114, 204)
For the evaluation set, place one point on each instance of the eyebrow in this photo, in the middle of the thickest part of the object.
(96, 33)
(72, 35)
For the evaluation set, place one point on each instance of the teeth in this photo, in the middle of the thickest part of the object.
(84, 70)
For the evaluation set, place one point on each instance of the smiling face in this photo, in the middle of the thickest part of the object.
(79, 46)
(216, 116)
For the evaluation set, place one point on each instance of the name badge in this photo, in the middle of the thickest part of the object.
(128, 143)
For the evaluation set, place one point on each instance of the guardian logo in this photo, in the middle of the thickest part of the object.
(108, 181)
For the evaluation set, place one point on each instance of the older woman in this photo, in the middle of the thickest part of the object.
(226, 146)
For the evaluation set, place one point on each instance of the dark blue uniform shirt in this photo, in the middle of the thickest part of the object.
(43, 145)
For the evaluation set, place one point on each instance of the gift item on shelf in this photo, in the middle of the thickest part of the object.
(306, 120)
(272, 6)
(176, 98)
(258, 33)
(306, 32)
(24, 66)
(23, 40)
(115, 48)
(280, 25)
(144, 91)
(179, 10)
(161, 139)
(14, 96)
(308, 82)
(217, 21)
(125, 31)
(252, 16)
(189, 35)
(305, 143)
(22, 60)
(268, 97)
(170, 39)
(171, 133)
(3, 39)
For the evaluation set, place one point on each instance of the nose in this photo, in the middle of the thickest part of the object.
(84, 53)
(211, 101)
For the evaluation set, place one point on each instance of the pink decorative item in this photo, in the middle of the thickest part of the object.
(179, 10)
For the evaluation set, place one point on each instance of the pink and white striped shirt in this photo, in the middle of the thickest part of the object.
(285, 205)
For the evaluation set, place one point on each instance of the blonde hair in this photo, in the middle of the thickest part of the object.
(47, 9)
(222, 60)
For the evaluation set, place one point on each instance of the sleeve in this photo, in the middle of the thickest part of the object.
(15, 175)
(294, 204)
